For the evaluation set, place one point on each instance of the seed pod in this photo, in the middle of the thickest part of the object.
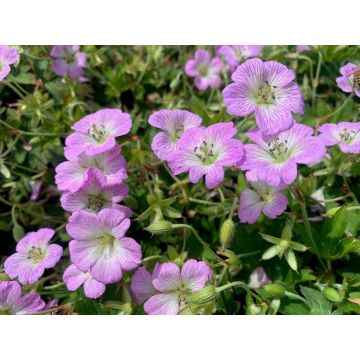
(332, 295)
(227, 231)
(203, 296)
(159, 227)
(275, 290)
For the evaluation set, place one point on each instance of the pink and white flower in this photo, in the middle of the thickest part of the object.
(205, 70)
(274, 159)
(345, 134)
(8, 56)
(348, 82)
(167, 289)
(262, 198)
(72, 174)
(33, 255)
(173, 123)
(95, 194)
(96, 133)
(266, 89)
(206, 151)
(13, 303)
(74, 278)
(100, 246)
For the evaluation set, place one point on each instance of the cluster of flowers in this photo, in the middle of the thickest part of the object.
(92, 184)
(206, 70)
(268, 91)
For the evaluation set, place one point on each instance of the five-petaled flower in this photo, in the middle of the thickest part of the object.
(33, 255)
(262, 198)
(68, 60)
(8, 56)
(205, 70)
(274, 159)
(100, 246)
(96, 133)
(206, 151)
(267, 89)
(350, 79)
(345, 134)
(95, 194)
(13, 303)
(173, 123)
(165, 292)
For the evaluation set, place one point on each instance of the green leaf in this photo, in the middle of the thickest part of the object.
(318, 303)
(18, 232)
(89, 307)
(338, 224)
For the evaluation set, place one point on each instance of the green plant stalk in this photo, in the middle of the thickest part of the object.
(310, 235)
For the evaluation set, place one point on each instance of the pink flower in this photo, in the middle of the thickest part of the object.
(95, 194)
(206, 151)
(99, 244)
(348, 82)
(33, 255)
(68, 60)
(74, 278)
(71, 175)
(205, 70)
(274, 159)
(302, 48)
(258, 278)
(234, 54)
(96, 133)
(267, 89)
(345, 134)
(11, 301)
(264, 199)
(167, 289)
(8, 56)
(173, 123)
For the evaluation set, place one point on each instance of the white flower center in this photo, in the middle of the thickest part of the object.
(96, 202)
(265, 94)
(348, 136)
(279, 150)
(99, 134)
(205, 153)
(36, 254)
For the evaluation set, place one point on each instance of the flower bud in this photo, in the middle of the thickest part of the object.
(275, 290)
(227, 232)
(258, 278)
(332, 295)
(159, 227)
(203, 296)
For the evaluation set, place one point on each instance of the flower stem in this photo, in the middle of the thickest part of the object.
(13, 88)
(310, 235)
(337, 110)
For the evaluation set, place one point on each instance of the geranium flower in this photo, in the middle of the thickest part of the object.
(95, 194)
(258, 278)
(267, 89)
(33, 255)
(167, 289)
(173, 123)
(205, 70)
(350, 79)
(234, 54)
(264, 199)
(11, 301)
(274, 159)
(206, 151)
(99, 244)
(302, 48)
(74, 278)
(8, 56)
(96, 133)
(68, 60)
(345, 134)
(72, 174)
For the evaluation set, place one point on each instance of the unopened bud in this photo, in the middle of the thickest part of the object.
(203, 296)
(258, 278)
(159, 227)
(332, 295)
(275, 290)
(227, 232)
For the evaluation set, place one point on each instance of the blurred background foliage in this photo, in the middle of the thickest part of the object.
(37, 109)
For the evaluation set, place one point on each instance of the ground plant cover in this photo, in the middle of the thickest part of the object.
(179, 180)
